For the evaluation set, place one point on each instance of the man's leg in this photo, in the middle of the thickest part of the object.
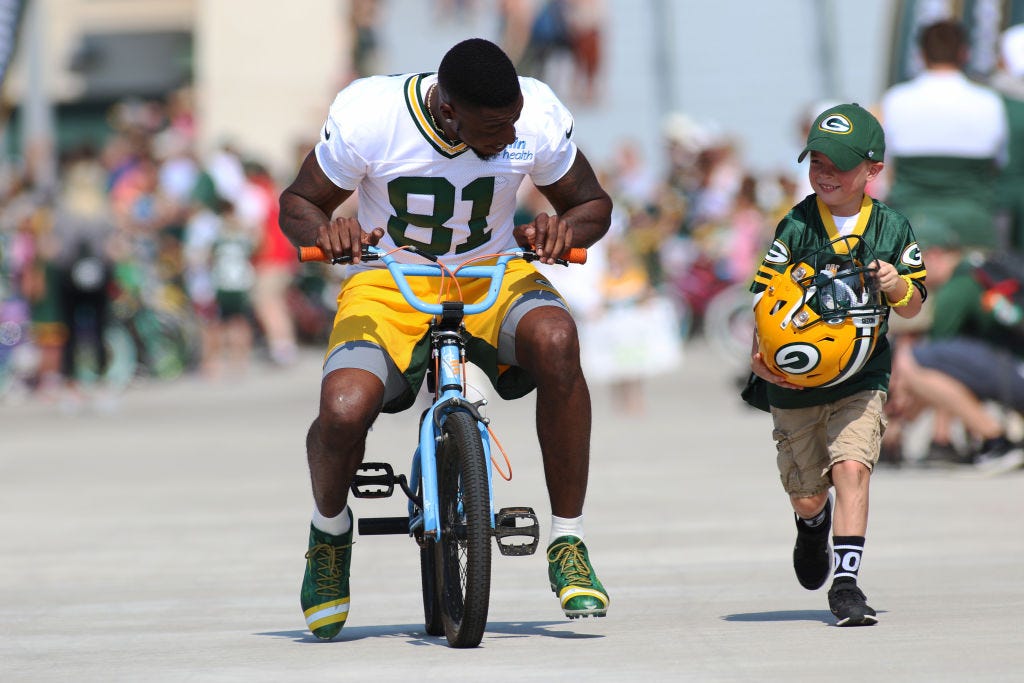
(547, 346)
(350, 400)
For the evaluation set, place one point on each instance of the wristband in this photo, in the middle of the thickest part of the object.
(906, 297)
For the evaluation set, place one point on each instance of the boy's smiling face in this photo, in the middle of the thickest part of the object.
(842, 191)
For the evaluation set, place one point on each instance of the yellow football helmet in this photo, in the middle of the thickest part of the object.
(818, 321)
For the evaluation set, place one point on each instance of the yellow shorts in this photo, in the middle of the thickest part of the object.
(375, 329)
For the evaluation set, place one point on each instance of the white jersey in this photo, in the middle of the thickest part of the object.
(920, 118)
(423, 190)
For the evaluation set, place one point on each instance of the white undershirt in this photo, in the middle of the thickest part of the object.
(846, 224)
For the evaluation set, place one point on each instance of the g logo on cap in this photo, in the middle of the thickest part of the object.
(836, 123)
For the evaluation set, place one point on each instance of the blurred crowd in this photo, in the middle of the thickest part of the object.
(144, 260)
(147, 261)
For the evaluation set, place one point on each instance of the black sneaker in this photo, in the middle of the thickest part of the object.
(943, 455)
(999, 455)
(849, 604)
(812, 554)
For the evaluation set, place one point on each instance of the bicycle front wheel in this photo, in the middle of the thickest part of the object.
(428, 576)
(464, 550)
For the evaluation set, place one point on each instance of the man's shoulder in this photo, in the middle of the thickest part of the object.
(369, 97)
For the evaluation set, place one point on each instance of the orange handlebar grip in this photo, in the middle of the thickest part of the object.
(312, 254)
(576, 255)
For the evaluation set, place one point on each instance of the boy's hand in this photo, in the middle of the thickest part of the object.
(761, 369)
(889, 280)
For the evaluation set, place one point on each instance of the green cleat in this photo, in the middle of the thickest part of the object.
(325, 584)
(573, 579)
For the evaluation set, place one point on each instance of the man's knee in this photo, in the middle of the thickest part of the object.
(547, 334)
(350, 401)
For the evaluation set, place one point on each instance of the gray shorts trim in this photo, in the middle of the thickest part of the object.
(522, 306)
(364, 355)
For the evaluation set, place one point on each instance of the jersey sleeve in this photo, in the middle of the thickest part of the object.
(910, 261)
(780, 253)
(337, 151)
(556, 150)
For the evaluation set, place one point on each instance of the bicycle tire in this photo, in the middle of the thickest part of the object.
(729, 325)
(432, 622)
(463, 553)
(428, 577)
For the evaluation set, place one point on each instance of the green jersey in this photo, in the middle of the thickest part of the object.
(879, 233)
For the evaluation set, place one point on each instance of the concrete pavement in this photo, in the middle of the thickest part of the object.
(165, 542)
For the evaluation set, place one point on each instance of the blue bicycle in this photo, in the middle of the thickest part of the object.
(451, 510)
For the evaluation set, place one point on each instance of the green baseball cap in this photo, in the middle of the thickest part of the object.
(847, 134)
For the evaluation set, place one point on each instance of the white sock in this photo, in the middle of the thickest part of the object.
(564, 526)
(335, 526)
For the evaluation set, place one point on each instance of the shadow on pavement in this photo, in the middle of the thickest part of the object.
(784, 615)
(414, 634)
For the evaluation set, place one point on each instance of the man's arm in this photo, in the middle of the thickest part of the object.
(308, 203)
(581, 202)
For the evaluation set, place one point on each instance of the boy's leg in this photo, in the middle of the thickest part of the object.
(803, 464)
(855, 439)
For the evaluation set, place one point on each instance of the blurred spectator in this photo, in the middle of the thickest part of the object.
(1009, 81)
(514, 19)
(363, 17)
(275, 269)
(631, 179)
(613, 350)
(971, 357)
(586, 20)
(625, 285)
(83, 230)
(233, 278)
(550, 37)
(749, 233)
(945, 137)
(30, 282)
(201, 232)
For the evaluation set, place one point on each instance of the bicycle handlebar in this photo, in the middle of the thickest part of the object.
(401, 271)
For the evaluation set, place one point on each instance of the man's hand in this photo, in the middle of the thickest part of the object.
(345, 237)
(548, 235)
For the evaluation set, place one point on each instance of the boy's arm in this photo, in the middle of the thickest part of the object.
(899, 291)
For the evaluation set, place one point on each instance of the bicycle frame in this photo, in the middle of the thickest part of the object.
(448, 353)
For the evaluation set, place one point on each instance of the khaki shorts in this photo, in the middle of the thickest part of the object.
(810, 441)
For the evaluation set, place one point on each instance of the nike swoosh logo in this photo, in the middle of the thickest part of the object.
(327, 134)
(569, 132)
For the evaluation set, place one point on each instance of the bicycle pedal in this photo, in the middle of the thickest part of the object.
(517, 531)
(374, 480)
(380, 526)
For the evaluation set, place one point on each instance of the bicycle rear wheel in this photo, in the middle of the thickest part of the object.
(463, 553)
